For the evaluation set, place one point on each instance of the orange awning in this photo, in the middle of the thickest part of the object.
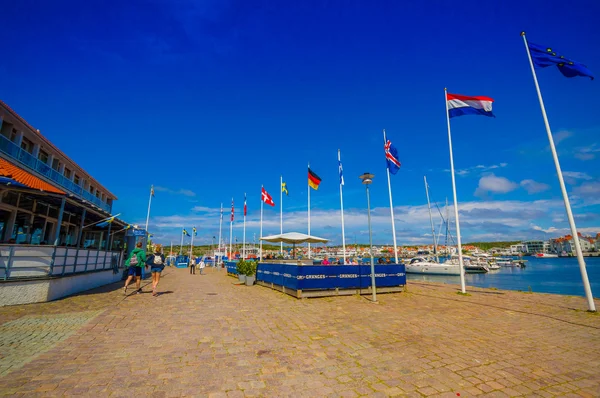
(9, 170)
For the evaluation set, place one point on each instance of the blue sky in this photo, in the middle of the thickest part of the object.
(215, 98)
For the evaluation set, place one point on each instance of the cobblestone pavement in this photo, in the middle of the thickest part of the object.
(207, 336)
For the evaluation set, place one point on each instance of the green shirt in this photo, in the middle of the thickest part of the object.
(141, 256)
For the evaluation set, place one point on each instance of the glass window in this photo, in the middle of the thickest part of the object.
(4, 216)
(27, 145)
(48, 238)
(43, 156)
(53, 212)
(21, 231)
(25, 203)
(91, 189)
(55, 164)
(41, 208)
(77, 179)
(10, 198)
(13, 135)
(67, 173)
(37, 230)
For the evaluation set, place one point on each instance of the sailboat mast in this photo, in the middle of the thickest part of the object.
(430, 217)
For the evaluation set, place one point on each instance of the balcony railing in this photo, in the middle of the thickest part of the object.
(36, 165)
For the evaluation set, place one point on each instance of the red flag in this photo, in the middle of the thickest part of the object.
(267, 198)
(231, 209)
(245, 208)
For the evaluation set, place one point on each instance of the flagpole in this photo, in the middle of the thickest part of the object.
(309, 214)
(391, 205)
(580, 260)
(192, 244)
(281, 212)
(261, 219)
(244, 237)
(181, 244)
(149, 204)
(220, 231)
(171, 252)
(342, 210)
(460, 256)
(231, 229)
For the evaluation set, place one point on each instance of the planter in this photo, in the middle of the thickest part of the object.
(242, 278)
(250, 280)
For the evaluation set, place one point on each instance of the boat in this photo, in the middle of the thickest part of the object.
(546, 255)
(486, 260)
(471, 267)
(425, 265)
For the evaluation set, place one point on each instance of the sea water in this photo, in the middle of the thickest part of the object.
(543, 275)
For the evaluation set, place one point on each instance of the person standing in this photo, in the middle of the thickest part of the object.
(135, 262)
(192, 266)
(201, 266)
(157, 265)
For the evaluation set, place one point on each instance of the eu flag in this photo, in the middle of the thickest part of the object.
(545, 56)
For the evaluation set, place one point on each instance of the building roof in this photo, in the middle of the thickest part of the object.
(19, 175)
(51, 145)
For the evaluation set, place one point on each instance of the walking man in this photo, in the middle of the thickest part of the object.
(201, 266)
(135, 262)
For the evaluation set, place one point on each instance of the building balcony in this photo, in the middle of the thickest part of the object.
(13, 151)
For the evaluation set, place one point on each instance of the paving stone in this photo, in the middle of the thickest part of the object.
(251, 341)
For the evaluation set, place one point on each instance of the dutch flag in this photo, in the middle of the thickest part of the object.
(459, 105)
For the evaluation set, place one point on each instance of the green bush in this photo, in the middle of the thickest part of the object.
(241, 267)
(250, 267)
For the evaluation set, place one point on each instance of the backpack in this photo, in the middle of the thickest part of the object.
(133, 260)
(157, 260)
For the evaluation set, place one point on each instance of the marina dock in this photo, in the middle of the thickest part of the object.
(206, 336)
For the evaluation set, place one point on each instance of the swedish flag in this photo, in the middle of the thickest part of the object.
(194, 231)
(185, 233)
(284, 188)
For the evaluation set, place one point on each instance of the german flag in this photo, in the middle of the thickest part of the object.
(313, 179)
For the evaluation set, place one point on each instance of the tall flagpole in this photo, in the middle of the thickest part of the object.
(309, 213)
(261, 218)
(231, 230)
(192, 244)
(342, 207)
(281, 212)
(221, 232)
(149, 204)
(460, 256)
(244, 238)
(580, 260)
(181, 244)
(391, 205)
(430, 218)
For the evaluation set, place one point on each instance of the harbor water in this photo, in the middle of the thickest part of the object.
(541, 275)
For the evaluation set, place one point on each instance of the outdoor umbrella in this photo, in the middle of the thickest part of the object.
(293, 238)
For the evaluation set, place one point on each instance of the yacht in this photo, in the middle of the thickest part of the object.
(546, 255)
(471, 267)
(425, 265)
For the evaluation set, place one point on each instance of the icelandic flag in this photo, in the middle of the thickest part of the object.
(391, 157)
(459, 105)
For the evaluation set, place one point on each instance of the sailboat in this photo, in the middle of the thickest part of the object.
(431, 265)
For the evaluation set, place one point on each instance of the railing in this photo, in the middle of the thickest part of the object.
(25, 158)
(28, 261)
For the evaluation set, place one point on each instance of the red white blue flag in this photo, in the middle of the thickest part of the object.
(245, 208)
(459, 105)
(391, 157)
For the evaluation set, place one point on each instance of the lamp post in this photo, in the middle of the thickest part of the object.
(367, 179)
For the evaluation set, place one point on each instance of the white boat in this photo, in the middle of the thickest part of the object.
(546, 255)
(471, 266)
(424, 265)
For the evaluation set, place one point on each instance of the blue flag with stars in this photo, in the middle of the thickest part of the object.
(545, 56)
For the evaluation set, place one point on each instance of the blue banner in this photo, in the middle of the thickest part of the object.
(319, 277)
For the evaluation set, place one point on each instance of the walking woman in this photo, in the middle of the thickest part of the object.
(135, 263)
(157, 264)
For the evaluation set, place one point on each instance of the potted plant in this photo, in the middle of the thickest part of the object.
(250, 269)
(241, 270)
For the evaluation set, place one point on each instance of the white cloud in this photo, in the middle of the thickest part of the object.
(572, 177)
(184, 192)
(548, 230)
(491, 184)
(588, 188)
(532, 186)
(480, 168)
(561, 136)
(588, 152)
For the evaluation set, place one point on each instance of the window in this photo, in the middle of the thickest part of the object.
(91, 189)
(97, 194)
(27, 145)
(13, 135)
(77, 179)
(55, 164)
(67, 173)
(43, 156)
(10, 198)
